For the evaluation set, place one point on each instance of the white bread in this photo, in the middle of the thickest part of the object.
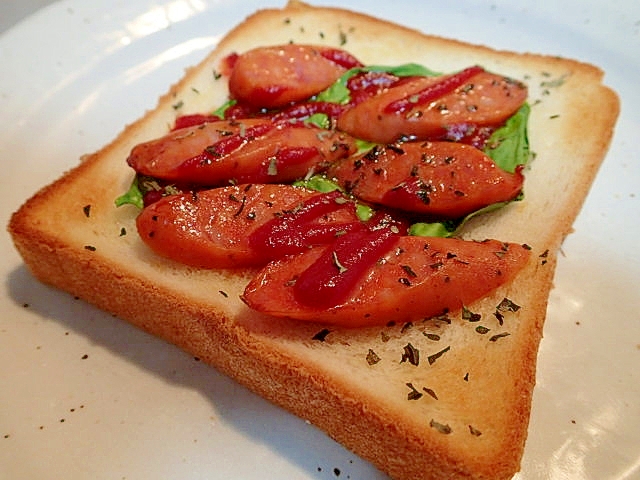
(71, 236)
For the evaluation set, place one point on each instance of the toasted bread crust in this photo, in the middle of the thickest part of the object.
(72, 237)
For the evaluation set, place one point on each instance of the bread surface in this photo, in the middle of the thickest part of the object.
(462, 410)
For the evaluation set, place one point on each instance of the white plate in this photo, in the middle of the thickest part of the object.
(84, 395)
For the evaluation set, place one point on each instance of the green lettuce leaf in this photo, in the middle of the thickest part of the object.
(436, 229)
(133, 196)
(322, 184)
(220, 111)
(508, 146)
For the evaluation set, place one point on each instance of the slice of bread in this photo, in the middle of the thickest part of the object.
(442, 398)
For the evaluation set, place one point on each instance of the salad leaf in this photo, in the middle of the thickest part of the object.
(220, 111)
(436, 229)
(319, 183)
(320, 120)
(140, 186)
(322, 184)
(364, 146)
(508, 146)
(133, 196)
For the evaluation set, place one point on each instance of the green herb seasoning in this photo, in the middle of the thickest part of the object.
(372, 357)
(497, 337)
(430, 392)
(411, 354)
(321, 335)
(470, 316)
(442, 428)
(507, 305)
(432, 358)
(413, 393)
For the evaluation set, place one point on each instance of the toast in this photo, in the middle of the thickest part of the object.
(458, 409)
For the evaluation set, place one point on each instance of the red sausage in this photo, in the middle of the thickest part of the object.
(272, 77)
(427, 107)
(245, 151)
(224, 227)
(161, 156)
(437, 179)
(416, 278)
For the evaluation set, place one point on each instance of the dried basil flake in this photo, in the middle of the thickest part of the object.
(430, 392)
(470, 316)
(499, 336)
(432, 358)
(411, 354)
(445, 429)
(413, 393)
(406, 326)
(372, 357)
(507, 305)
(321, 335)
(409, 271)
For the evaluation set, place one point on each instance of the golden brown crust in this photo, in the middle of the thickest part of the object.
(474, 389)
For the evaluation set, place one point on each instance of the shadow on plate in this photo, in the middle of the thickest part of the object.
(237, 407)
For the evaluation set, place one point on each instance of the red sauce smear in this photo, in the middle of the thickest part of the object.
(225, 146)
(329, 280)
(290, 231)
(433, 92)
(288, 156)
(368, 84)
(227, 64)
(340, 57)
